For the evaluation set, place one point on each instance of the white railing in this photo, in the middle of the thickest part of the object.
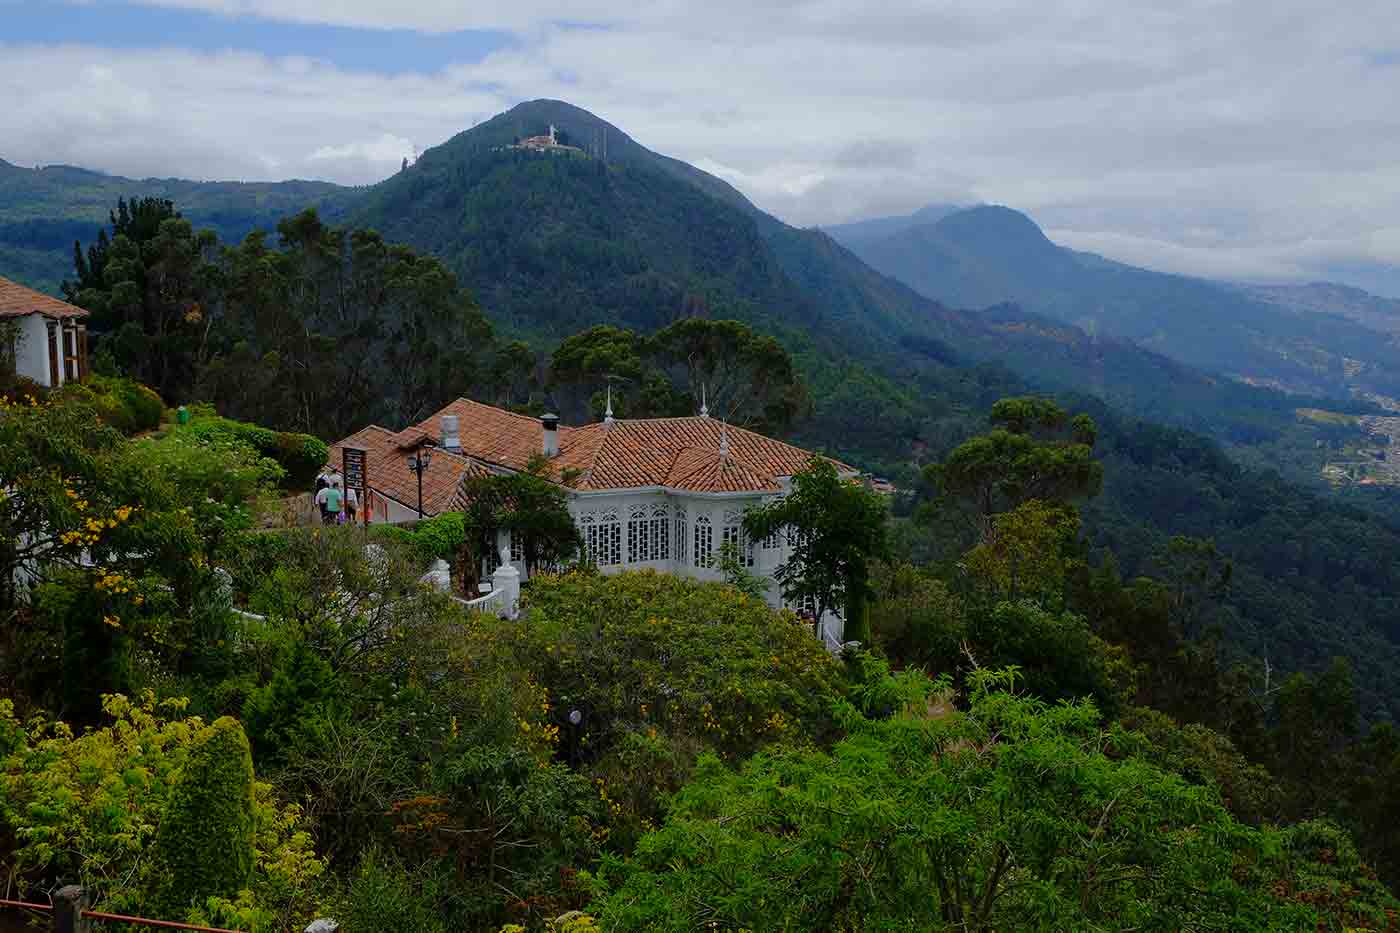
(494, 601)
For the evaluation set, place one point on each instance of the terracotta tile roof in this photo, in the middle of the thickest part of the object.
(18, 301)
(682, 453)
(700, 470)
(387, 465)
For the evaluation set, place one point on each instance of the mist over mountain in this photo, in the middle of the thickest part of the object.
(989, 255)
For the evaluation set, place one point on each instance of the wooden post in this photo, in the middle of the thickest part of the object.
(68, 906)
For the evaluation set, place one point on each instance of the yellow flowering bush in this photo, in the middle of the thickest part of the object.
(88, 808)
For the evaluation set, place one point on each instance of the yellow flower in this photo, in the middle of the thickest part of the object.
(112, 621)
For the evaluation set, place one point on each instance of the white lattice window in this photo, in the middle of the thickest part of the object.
(609, 550)
(734, 537)
(517, 546)
(640, 546)
(704, 541)
(682, 538)
(588, 529)
(660, 533)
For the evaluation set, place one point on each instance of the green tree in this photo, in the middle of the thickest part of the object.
(835, 528)
(205, 845)
(527, 505)
(745, 377)
(1008, 816)
(1037, 451)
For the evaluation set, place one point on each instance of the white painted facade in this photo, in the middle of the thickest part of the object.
(32, 348)
(675, 532)
(37, 336)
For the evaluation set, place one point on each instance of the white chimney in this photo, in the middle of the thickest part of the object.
(550, 423)
(451, 436)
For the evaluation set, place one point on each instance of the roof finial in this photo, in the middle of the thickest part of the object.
(724, 439)
(704, 406)
(608, 414)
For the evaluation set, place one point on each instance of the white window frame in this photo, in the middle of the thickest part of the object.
(704, 541)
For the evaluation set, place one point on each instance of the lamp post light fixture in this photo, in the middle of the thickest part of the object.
(418, 462)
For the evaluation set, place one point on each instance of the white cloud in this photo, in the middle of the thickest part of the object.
(1202, 136)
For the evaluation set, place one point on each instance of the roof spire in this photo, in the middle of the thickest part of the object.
(608, 414)
(724, 439)
(704, 406)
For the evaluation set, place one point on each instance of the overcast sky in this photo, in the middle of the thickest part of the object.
(1254, 139)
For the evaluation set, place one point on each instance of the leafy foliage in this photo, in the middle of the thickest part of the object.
(89, 807)
(834, 528)
(205, 845)
(1009, 816)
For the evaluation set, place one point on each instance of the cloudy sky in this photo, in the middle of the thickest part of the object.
(1250, 139)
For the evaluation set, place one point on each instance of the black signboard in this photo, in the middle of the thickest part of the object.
(353, 466)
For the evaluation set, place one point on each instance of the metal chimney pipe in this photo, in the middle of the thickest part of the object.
(451, 435)
(550, 445)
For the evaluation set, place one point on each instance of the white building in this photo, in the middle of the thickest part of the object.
(658, 493)
(49, 336)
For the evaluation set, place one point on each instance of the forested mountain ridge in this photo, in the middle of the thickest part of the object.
(988, 254)
(625, 235)
(628, 236)
(43, 211)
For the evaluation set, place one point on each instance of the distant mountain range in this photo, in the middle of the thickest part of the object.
(553, 242)
(1321, 339)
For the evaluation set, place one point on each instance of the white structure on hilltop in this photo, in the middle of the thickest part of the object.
(47, 339)
(656, 493)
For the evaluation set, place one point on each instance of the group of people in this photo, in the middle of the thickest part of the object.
(337, 505)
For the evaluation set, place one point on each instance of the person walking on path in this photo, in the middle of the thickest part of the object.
(323, 480)
(332, 502)
(352, 504)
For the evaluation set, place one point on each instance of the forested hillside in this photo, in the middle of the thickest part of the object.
(549, 245)
(209, 722)
(44, 211)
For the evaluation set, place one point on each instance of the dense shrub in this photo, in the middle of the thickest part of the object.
(301, 455)
(438, 538)
(205, 843)
(652, 651)
(128, 406)
(94, 809)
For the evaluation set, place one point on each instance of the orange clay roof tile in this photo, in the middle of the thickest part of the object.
(386, 462)
(627, 454)
(18, 301)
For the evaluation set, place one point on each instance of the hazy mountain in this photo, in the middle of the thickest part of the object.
(988, 255)
(863, 231)
(1373, 311)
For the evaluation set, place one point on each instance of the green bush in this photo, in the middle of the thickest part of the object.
(385, 897)
(205, 844)
(301, 455)
(126, 405)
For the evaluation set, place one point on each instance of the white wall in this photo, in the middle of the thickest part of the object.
(32, 352)
(715, 509)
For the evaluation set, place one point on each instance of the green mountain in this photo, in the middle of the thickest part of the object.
(43, 211)
(614, 232)
(989, 255)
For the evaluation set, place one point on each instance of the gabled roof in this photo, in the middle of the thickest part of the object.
(679, 453)
(386, 461)
(18, 301)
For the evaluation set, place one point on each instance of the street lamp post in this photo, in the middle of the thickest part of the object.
(418, 462)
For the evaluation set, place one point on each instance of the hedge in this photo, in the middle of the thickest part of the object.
(301, 455)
